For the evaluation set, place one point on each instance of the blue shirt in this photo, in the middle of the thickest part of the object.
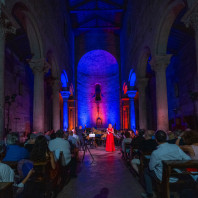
(16, 153)
(165, 151)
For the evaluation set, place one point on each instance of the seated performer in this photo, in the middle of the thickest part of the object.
(110, 146)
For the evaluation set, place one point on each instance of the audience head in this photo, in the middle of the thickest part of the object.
(59, 133)
(127, 134)
(32, 138)
(71, 133)
(12, 138)
(190, 137)
(149, 134)
(160, 136)
(66, 135)
(141, 132)
(40, 149)
(171, 135)
(177, 133)
(53, 136)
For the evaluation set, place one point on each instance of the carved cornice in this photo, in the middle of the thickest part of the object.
(65, 95)
(160, 63)
(191, 17)
(39, 65)
(131, 93)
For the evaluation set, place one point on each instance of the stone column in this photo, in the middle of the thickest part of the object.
(56, 104)
(2, 94)
(65, 95)
(5, 27)
(192, 20)
(142, 83)
(159, 65)
(38, 68)
(131, 95)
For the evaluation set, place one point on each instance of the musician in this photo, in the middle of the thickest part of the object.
(110, 145)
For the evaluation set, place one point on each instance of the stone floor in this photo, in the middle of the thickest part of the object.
(106, 177)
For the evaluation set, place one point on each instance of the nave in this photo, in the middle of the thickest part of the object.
(106, 177)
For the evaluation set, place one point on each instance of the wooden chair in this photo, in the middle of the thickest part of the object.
(144, 162)
(127, 151)
(185, 181)
(6, 189)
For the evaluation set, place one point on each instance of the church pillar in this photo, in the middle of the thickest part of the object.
(131, 95)
(142, 83)
(159, 65)
(56, 104)
(192, 20)
(2, 94)
(65, 95)
(38, 67)
(5, 27)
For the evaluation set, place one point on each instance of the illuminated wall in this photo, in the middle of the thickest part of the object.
(98, 67)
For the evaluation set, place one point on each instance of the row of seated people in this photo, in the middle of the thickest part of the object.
(59, 152)
(154, 149)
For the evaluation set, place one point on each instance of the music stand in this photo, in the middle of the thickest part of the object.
(85, 149)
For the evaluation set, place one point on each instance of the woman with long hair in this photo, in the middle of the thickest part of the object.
(41, 152)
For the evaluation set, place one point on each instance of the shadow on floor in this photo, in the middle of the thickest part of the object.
(103, 193)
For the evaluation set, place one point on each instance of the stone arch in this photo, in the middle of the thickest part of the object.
(55, 71)
(142, 63)
(164, 26)
(25, 17)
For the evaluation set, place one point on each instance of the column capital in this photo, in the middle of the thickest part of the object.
(160, 63)
(39, 65)
(191, 17)
(65, 94)
(6, 27)
(131, 93)
(142, 83)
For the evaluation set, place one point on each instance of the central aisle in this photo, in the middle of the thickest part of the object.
(106, 177)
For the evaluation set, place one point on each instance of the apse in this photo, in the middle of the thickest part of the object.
(98, 90)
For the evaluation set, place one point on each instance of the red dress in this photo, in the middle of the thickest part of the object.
(110, 146)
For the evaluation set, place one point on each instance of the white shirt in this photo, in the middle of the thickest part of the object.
(60, 144)
(165, 151)
(6, 173)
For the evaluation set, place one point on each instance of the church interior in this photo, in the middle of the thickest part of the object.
(90, 63)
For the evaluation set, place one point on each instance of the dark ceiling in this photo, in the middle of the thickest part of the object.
(97, 14)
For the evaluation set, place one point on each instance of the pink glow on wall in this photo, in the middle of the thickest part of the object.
(98, 67)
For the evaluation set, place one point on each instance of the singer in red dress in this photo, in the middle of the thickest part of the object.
(110, 146)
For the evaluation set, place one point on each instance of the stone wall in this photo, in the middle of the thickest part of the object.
(19, 81)
(180, 82)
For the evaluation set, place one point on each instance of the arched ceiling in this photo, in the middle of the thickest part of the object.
(101, 14)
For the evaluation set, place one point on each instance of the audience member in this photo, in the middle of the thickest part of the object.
(164, 151)
(40, 151)
(148, 145)
(127, 139)
(177, 134)
(137, 141)
(72, 139)
(191, 143)
(14, 152)
(59, 144)
(30, 143)
(7, 174)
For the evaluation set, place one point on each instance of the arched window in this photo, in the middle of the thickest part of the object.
(132, 78)
(64, 79)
